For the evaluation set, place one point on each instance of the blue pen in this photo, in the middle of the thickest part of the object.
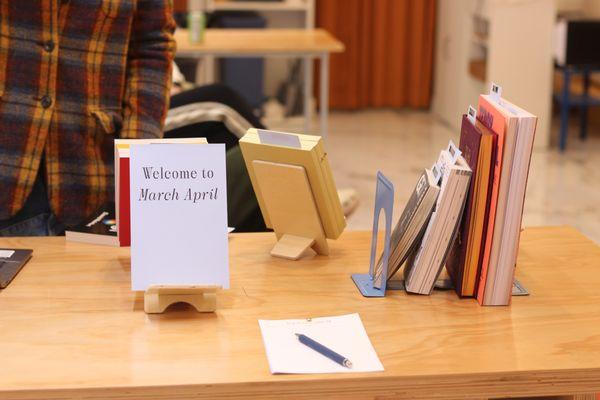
(327, 352)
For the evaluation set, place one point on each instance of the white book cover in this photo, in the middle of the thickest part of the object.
(178, 215)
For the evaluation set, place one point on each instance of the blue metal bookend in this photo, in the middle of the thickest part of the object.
(373, 284)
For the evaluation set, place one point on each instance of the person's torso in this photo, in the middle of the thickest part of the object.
(72, 51)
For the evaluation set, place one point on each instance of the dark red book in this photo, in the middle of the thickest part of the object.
(124, 222)
(470, 140)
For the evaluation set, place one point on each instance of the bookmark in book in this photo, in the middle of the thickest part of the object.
(454, 151)
(496, 92)
(472, 114)
(437, 173)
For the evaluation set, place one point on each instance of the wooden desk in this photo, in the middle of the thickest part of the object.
(71, 328)
(305, 43)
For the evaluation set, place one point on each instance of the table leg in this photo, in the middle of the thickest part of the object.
(210, 71)
(324, 96)
(584, 104)
(308, 85)
(564, 110)
(205, 70)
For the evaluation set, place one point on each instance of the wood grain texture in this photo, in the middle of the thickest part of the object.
(71, 328)
(263, 41)
(288, 196)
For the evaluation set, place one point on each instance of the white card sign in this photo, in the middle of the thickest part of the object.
(178, 215)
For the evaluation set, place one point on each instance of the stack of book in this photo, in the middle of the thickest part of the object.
(425, 264)
(474, 225)
(122, 182)
(498, 147)
(422, 237)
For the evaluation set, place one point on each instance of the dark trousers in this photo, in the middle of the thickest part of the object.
(36, 217)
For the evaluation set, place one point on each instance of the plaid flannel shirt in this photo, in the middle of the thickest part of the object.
(73, 75)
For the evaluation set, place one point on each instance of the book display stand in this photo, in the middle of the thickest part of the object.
(287, 194)
(446, 284)
(158, 297)
(374, 283)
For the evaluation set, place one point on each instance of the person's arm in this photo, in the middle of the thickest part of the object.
(149, 59)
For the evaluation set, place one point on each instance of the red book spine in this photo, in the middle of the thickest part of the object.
(124, 228)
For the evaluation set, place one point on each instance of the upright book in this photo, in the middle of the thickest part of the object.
(122, 181)
(426, 263)
(495, 121)
(520, 133)
(307, 151)
(412, 223)
(477, 146)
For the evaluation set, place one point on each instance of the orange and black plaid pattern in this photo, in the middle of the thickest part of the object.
(73, 75)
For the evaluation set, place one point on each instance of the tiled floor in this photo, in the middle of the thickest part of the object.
(563, 188)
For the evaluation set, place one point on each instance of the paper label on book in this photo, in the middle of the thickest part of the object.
(437, 173)
(453, 151)
(178, 215)
(6, 253)
(472, 114)
(495, 92)
(278, 138)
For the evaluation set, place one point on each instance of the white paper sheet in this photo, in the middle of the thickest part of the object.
(344, 334)
(178, 215)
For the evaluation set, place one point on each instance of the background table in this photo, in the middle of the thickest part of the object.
(305, 43)
(71, 328)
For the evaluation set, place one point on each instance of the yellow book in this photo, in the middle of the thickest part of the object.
(479, 219)
(307, 151)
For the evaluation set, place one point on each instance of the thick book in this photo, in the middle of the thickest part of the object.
(476, 145)
(122, 181)
(98, 228)
(123, 210)
(426, 263)
(412, 223)
(493, 119)
(304, 150)
(505, 243)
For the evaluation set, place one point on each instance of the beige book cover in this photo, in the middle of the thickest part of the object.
(308, 152)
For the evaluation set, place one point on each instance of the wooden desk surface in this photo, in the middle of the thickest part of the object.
(263, 41)
(71, 327)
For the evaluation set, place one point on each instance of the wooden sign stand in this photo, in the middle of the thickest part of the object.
(158, 297)
(292, 209)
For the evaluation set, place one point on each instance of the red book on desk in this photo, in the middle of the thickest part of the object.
(124, 222)
(122, 181)
(470, 140)
(477, 145)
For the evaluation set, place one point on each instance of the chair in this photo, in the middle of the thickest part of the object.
(567, 100)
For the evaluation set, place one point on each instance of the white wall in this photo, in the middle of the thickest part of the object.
(519, 57)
